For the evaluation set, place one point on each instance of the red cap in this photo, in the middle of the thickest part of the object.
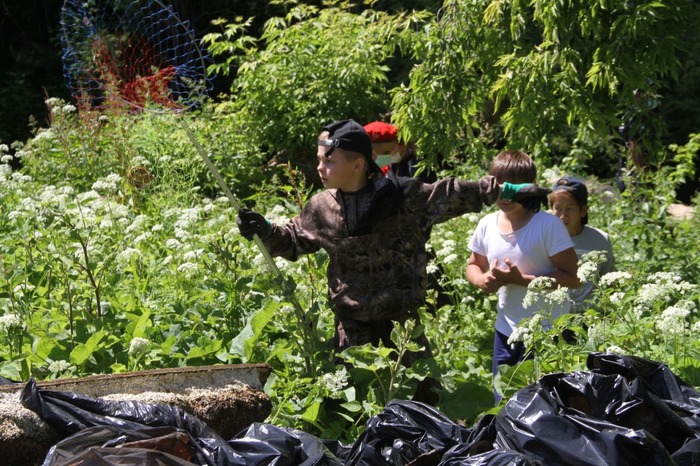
(381, 132)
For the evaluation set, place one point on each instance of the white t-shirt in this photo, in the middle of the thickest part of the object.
(591, 239)
(530, 249)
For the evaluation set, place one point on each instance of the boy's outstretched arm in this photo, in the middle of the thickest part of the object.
(523, 192)
(479, 274)
(489, 189)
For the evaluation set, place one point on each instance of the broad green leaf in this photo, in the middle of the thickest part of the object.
(83, 351)
(202, 351)
(257, 325)
(311, 413)
(13, 370)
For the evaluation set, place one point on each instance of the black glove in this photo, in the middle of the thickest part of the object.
(489, 189)
(251, 223)
(524, 192)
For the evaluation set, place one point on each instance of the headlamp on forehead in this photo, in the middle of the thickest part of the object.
(331, 143)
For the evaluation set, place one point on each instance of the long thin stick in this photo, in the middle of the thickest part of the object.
(287, 285)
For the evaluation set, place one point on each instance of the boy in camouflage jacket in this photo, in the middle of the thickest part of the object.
(374, 229)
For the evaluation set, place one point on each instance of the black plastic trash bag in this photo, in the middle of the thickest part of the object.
(630, 411)
(108, 445)
(408, 432)
(656, 379)
(492, 458)
(265, 444)
(625, 411)
(261, 444)
(403, 431)
(562, 420)
(673, 402)
(107, 432)
(70, 413)
(688, 454)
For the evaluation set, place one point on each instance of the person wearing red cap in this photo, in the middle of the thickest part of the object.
(400, 158)
(392, 154)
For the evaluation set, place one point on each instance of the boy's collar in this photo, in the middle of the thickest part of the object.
(368, 187)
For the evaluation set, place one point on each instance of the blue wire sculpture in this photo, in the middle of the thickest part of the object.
(136, 52)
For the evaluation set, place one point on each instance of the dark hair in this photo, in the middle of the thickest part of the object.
(514, 167)
(517, 167)
(576, 188)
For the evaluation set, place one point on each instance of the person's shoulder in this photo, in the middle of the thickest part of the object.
(550, 224)
(322, 199)
(324, 194)
(408, 181)
(547, 218)
(407, 185)
(486, 228)
(489, 219)
(595, 234)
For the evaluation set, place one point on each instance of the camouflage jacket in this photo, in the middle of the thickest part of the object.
(375, 240)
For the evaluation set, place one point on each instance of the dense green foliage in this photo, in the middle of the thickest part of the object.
(312, 66)
(120, 253)
(552, 76)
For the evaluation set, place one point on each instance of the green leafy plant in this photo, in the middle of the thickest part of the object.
(304, 69)
(542, 75)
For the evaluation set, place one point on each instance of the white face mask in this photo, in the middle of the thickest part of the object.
(383, 160)
(396, 158)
